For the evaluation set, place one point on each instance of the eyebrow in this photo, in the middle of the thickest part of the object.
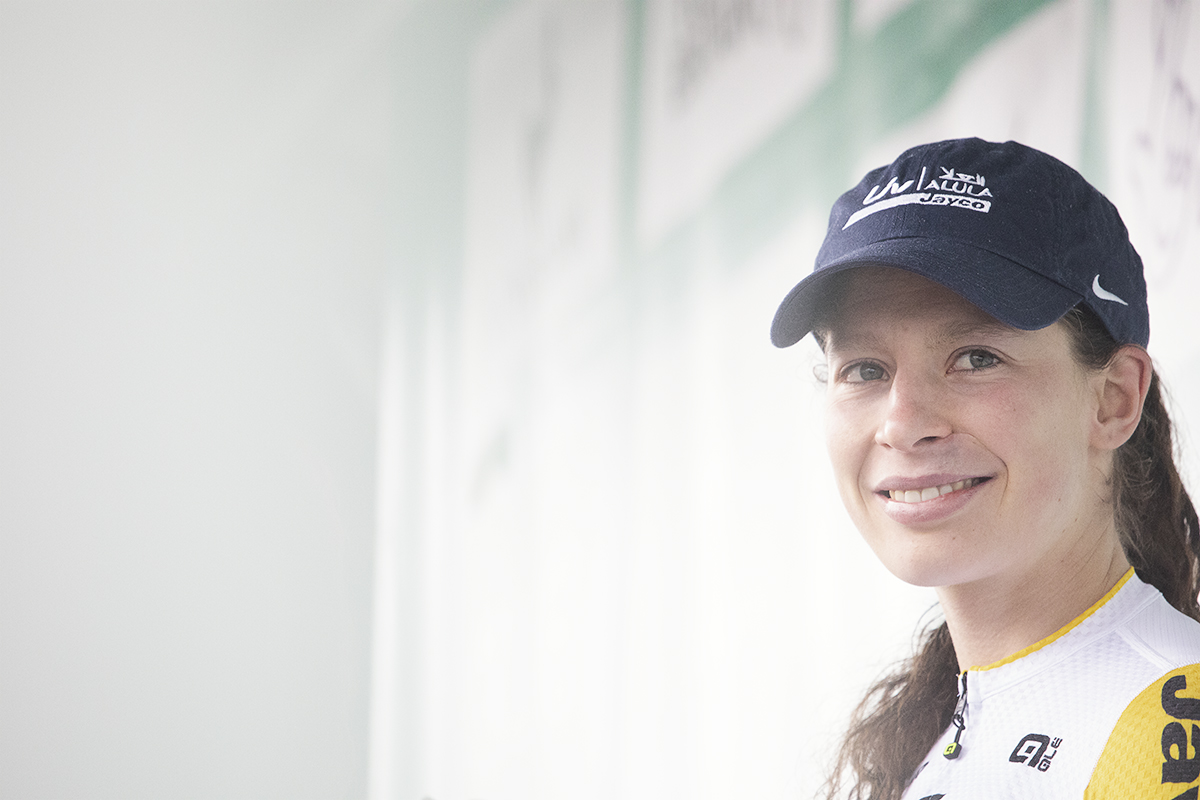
(952, 331)
(945, 334)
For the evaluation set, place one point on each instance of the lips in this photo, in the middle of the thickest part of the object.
(928, 500)
(935, 490)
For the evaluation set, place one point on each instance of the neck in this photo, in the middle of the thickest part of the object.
(994, 618)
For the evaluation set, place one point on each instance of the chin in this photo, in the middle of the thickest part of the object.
(928, 564)
(927, 578)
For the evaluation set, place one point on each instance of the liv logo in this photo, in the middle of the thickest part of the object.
(944, 188)
(1035, 750)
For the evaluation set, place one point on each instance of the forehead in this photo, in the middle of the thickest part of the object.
(867, 301)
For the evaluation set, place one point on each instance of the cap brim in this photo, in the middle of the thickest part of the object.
(1002, 288)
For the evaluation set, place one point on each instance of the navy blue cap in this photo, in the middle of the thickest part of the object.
(1014, 231)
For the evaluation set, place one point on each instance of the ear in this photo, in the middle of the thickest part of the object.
(1122, 389)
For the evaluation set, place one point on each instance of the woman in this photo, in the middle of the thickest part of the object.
(997, 431)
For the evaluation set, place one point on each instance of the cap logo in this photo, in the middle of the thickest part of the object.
(1105, 294)
(951, 188)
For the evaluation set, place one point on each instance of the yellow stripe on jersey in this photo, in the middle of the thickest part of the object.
(1153, 752)
(1063, 631)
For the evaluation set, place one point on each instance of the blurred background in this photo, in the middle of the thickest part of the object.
(386, 403)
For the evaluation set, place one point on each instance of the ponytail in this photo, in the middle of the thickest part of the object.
(1155, 517)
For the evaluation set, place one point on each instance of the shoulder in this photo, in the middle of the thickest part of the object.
(1162, 634)
(1154, 749)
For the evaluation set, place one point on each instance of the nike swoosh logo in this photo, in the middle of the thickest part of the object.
(1105, 294)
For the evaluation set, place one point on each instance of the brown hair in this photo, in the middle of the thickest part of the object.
(904, 713)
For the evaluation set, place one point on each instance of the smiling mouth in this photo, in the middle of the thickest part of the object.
(929, 492)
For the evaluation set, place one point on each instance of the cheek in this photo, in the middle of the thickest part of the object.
(1042, 441)
(848, 442)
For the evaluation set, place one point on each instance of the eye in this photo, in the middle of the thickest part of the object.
(974, 360)
(863, 371)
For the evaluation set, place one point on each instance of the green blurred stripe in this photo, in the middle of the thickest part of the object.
(881, 82)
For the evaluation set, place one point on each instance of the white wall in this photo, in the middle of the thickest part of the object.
(195, 224)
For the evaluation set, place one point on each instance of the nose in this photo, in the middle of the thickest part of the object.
(915, 413)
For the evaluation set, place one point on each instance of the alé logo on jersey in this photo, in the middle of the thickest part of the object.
(1036, 750)
(940, 187)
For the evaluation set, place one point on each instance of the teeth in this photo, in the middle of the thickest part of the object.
(919, 495)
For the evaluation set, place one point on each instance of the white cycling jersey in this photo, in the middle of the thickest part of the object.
(1107, 707)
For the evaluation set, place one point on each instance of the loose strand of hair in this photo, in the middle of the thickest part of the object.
(897, 722)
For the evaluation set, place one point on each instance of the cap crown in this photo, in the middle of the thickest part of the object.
(1015, 231)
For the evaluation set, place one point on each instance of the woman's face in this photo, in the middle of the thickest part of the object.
(960, 445)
